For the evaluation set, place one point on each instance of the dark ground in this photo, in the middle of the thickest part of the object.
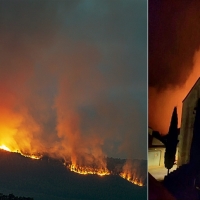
(180, 183)
(49, 179)
(157, 191)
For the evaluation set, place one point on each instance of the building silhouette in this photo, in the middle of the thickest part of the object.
(187, 123)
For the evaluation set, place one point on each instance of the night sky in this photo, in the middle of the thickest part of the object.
(174, 57)
(73, 77)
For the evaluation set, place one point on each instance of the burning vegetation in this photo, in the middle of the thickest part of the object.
(88, 165)
(59, 100)
(131, 178)
(5, 148)
(88, 170)
(132, 172)
(127, 169)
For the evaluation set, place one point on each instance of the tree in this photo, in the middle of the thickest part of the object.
(171, 141)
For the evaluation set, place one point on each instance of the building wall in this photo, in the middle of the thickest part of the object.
(156, 152)
(187, 122)
(156, 157)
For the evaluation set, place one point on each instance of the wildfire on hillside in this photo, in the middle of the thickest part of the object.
(131, 178)
(88, 170)
(37, 157)
(129, 171)
(133, 172)
(5, 148)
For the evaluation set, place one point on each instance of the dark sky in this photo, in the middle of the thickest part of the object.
(73, 77)
(174, 39)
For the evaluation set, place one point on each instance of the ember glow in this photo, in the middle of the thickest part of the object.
(31, 156)
(128, 174)
(88, 170)
(131, 178)
(132, 172)
(4, 147)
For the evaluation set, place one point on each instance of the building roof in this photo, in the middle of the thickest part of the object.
(191, 89)
(153, 142)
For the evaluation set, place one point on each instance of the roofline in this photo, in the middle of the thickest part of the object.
(191, 89)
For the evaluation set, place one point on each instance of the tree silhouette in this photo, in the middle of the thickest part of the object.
(13, 197)
(171, 141)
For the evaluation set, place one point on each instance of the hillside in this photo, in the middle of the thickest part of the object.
(49, 179)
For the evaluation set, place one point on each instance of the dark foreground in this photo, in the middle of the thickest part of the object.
(180, 183)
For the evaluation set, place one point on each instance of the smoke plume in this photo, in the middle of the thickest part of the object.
(72, 78)
(174, 39)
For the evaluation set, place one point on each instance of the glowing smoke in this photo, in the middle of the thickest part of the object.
(174, 37)
(67, 76)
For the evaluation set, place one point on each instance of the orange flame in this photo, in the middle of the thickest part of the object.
(31, 156)
(4, 147)
(84, 170)
(132, 172)
(88, 170)
(129, 177)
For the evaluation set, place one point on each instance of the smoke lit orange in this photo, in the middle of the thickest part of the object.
(161, 103)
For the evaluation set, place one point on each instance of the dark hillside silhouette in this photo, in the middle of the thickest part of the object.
(13, 197)
(50, 177)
